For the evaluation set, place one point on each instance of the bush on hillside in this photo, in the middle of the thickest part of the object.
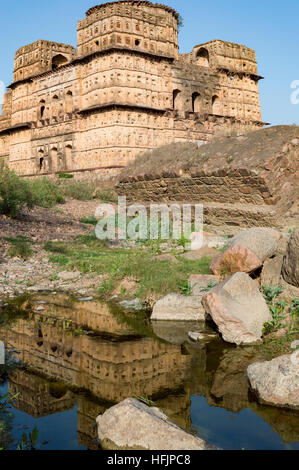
(46, 192)
(15, 193)
(82, 191)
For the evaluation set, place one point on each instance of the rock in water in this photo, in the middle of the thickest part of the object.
(136, 305)
(290, 270)
(133, 425)
(178, 307)
(238, 309)
(247, 252)
(276, 382)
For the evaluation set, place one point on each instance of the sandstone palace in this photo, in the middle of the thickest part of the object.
(124, 90)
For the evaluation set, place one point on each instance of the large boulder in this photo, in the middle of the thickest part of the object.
(201, 283)
(247, 251)
(178, 307)
(271, 273)
(238, 309)
(133, 425)
(290, 270)
(276, 382)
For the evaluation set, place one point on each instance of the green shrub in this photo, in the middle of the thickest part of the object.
(66, 176)
(46, 193)
(89, 220)
(107, 195)
(15, 193)
(79, 190)
(20, 248)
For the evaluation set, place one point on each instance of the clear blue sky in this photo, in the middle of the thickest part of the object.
(268, 26)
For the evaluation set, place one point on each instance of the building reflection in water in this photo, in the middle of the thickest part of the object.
(85, 353)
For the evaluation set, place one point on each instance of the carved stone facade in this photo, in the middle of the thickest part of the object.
(124, 90)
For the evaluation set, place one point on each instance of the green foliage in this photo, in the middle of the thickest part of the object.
(66, 176)
(155, 277)
(107, 195)
(210, 286)
(180, 21)
(186, 288)
(15, 193)
(79, 190)
(89, 220)
(60, 248)
(20, 248)
(46, 192)
(28, 442)
(145, 400)
(294, 308)
(276, 308)
(6, 419)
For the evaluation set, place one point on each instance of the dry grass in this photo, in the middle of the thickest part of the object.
(227, 149)
(169, 157)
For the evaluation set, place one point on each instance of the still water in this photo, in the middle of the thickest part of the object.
(80, 358)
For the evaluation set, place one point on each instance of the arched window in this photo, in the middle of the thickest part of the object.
(202, 57)
(55, 105)
(196, 103)
(42, 108)
(54, 159)
(216, 105)
(69, 102)
(68, 157)
(177, 100)
(41, 160)
(58, 60)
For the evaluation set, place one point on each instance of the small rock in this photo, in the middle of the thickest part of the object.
(276, 382)
(197, 255)
(135, 305)
(85, 299)
(178, 307)
(206, 240)
(195, 336)
(175, 332)
(133, 425)
(238, 309)
(68, 276)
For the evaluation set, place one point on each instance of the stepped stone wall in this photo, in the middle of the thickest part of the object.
(245, 180)
(124, 90)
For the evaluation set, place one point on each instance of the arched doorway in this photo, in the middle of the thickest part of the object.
(69, 157)
(58, 60)
(54, 159)
(69, 102)
(55, 107)
(177, 100)
(41, 161)
(202, 57)
(42, 108)
(216, 105)
(196, 102)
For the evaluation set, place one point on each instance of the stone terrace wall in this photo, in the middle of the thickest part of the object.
(245, 180)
